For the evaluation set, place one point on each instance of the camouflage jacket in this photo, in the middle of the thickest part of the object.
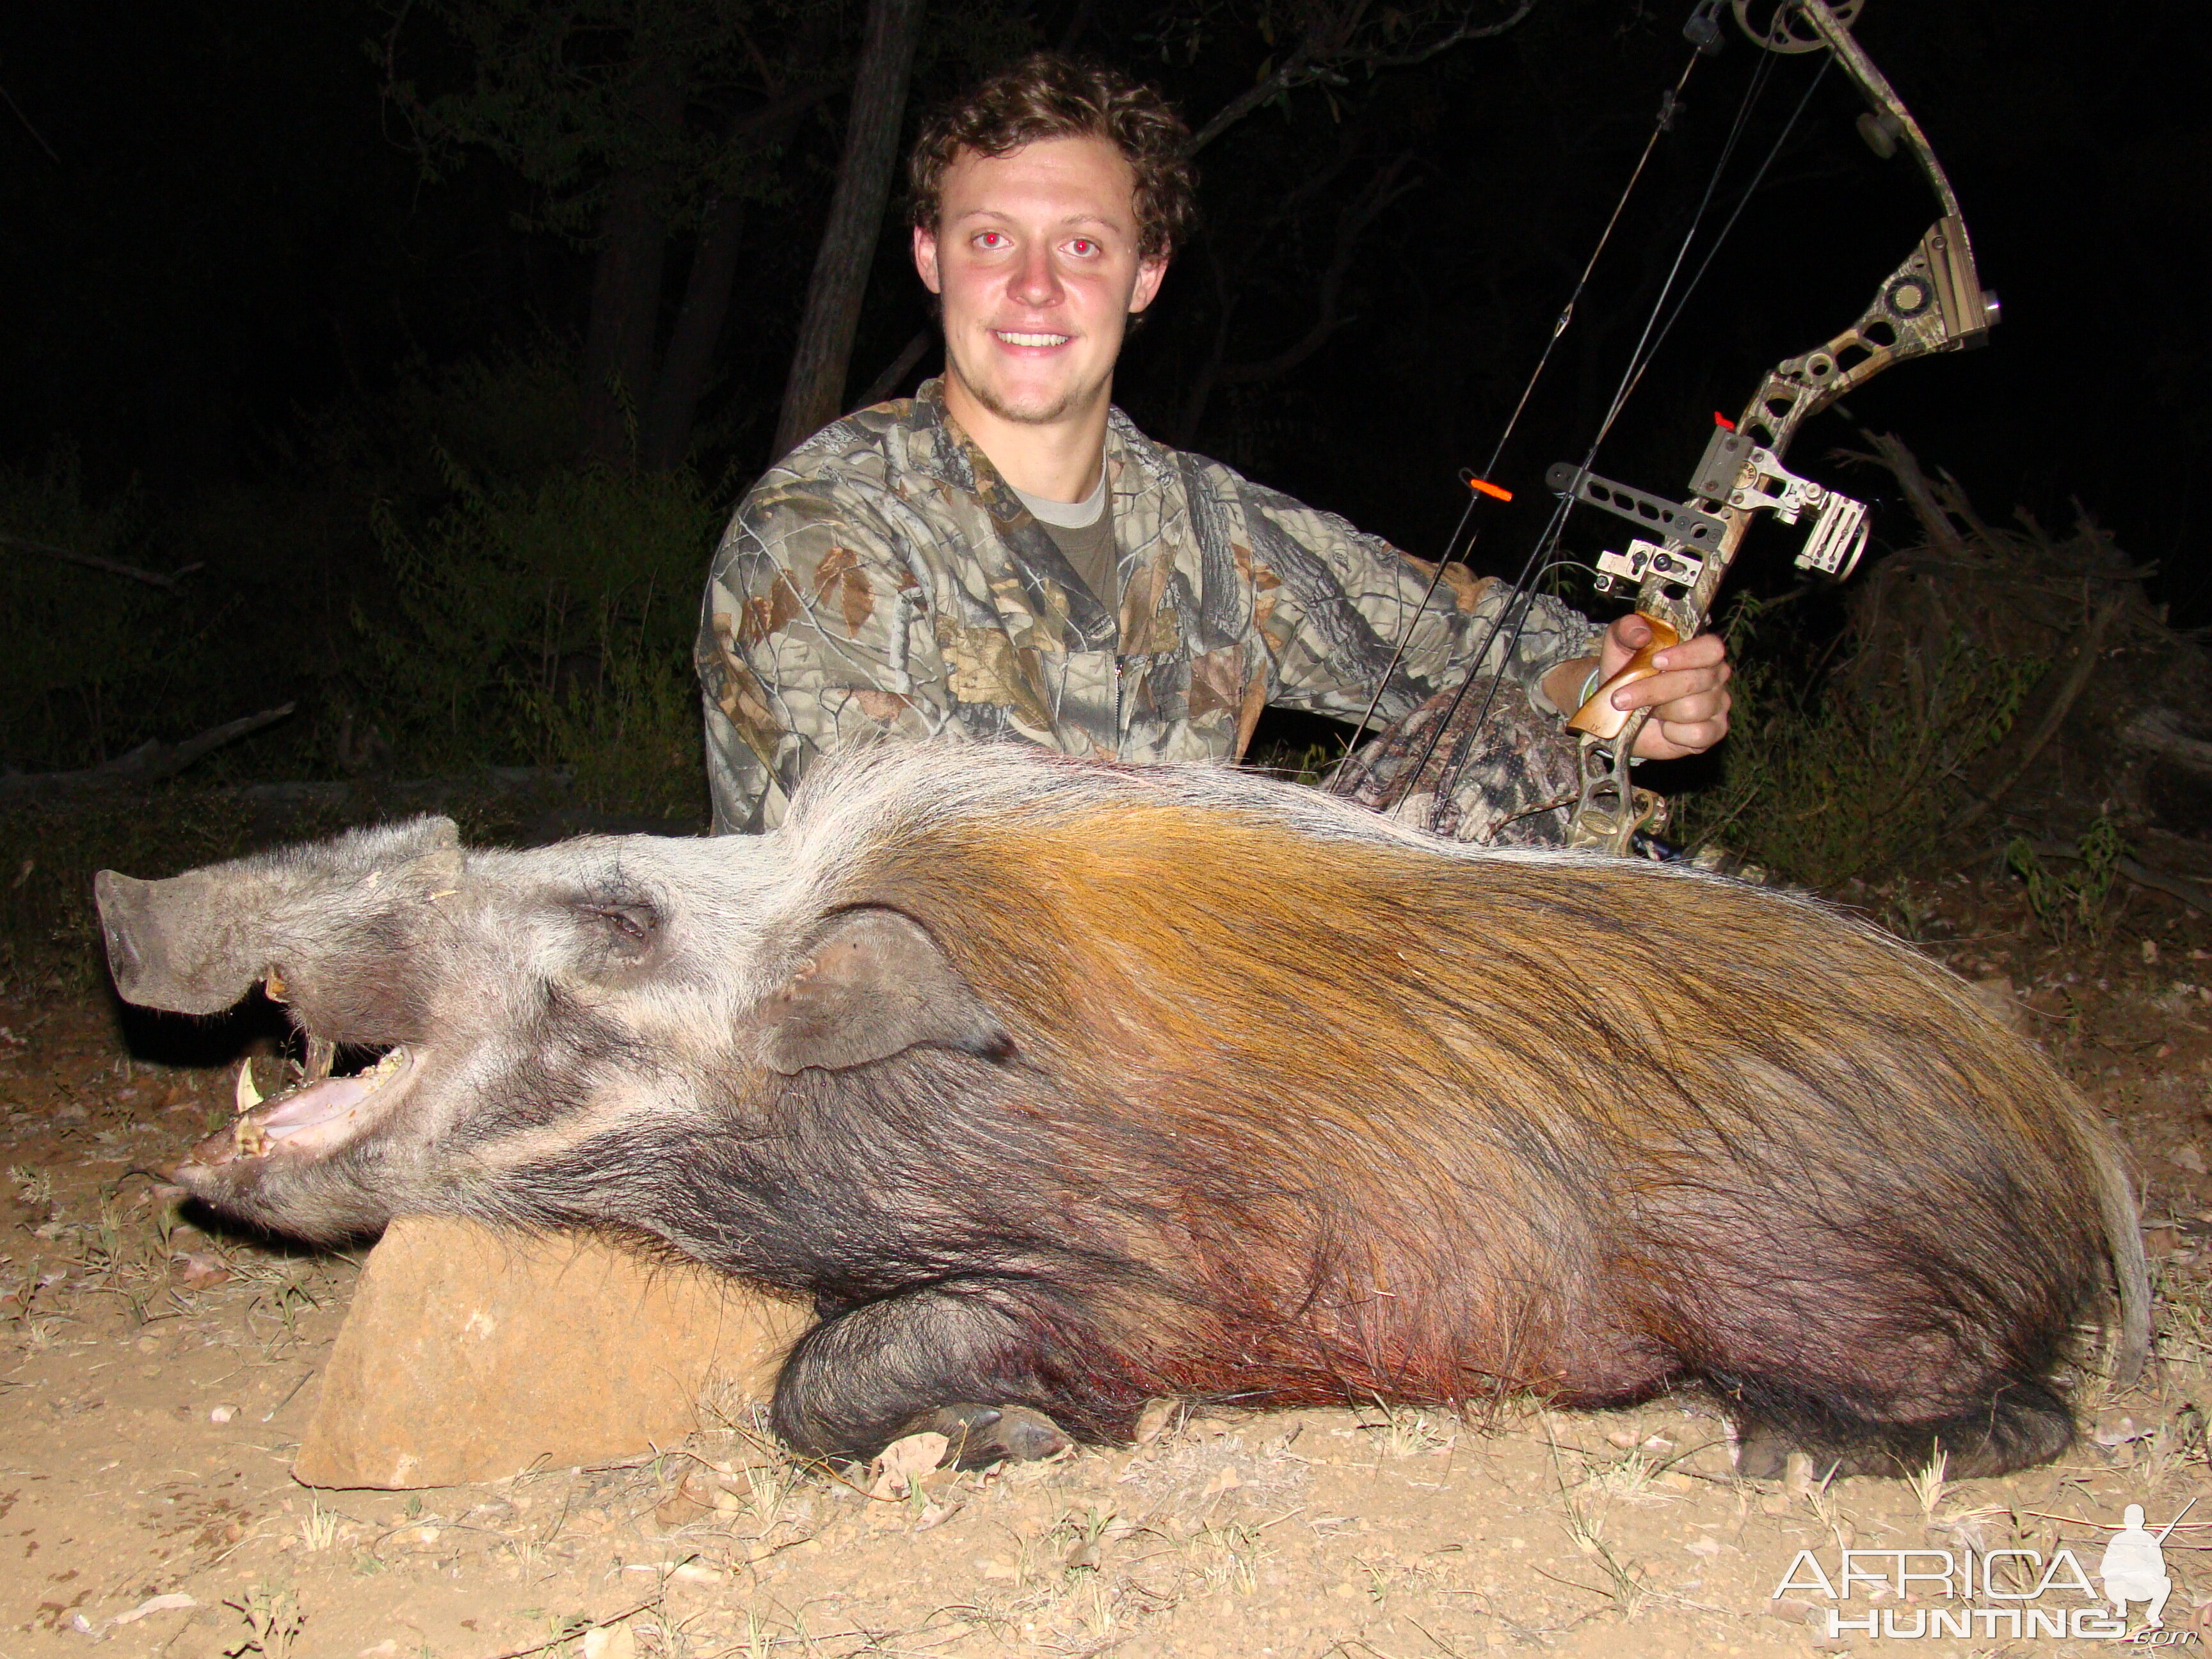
(883, 579)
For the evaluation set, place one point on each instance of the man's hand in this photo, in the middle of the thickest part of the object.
(1688, 696)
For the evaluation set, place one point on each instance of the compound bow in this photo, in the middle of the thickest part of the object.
(1933, 302)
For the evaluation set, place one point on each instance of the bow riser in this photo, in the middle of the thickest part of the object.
(1933, 302)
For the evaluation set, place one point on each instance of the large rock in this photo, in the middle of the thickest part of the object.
(472, 1355)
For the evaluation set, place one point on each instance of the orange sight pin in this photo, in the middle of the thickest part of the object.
(1495, 492)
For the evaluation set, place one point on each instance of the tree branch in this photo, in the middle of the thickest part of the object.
(888, 382)
(1292, 71)
(2071, 677)
(2142, 875)
(797, 102)
(1327, 44)
(149, 763)
(51, 153)
(1888, 452)
(94, 561)
(1377, 196)
(1465, 32)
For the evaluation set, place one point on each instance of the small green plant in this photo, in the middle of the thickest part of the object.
(550, 623)
(79, 640)
(320, 1530)
(1584, 1524)
(273, 1620)
(1082, 1536)
(1230, 1554)
(1929, 1483)
(1822, 782)
(2072, 903)
(1308, 763)
(631, 734)
(1908, 914)
(1404, 1432)
(33, 1186)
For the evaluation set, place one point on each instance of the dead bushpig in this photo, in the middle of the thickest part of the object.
(1064, 1086)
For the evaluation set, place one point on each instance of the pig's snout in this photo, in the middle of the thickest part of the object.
(169, 944)
(122, 912)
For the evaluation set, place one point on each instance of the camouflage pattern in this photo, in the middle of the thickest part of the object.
(884, 580)
(1513, 769)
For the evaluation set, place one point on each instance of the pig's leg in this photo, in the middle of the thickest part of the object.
(2018, 1423)
(970, 1362)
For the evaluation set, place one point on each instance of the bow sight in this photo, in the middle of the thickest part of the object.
(1933, 302)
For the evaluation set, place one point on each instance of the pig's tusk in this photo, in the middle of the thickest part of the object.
(321, 1052)
(248, 1095)
(273, 985)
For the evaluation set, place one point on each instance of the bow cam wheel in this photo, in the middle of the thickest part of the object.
(1783, 29)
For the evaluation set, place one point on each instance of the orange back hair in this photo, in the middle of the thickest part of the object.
(1369, 1053)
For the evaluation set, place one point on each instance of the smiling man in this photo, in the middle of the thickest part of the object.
(1005, 555)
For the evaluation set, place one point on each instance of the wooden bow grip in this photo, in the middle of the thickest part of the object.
(1598, 716)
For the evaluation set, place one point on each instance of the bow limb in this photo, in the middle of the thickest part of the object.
(1872, 81)
(1934, 301)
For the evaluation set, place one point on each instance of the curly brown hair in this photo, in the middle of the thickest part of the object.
(1048, 96)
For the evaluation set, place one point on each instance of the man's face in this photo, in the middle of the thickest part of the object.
(1035, 257)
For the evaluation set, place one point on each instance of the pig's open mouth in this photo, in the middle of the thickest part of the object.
(313, 1118)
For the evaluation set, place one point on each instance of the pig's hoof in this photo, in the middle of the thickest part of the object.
(1762, 1454)
(980, 1436)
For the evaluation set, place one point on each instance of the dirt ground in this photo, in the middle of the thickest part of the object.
(154, 1378)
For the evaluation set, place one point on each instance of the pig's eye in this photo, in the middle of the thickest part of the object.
(632, 926)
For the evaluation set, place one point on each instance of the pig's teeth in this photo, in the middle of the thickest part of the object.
(248, 1095)
(321, 1052)
(319, 1118)
(375, 1077)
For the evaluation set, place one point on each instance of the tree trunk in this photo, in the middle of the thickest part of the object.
(684, 366)
(625, 299)
(626, 284)
(683, 378)
(813, 395)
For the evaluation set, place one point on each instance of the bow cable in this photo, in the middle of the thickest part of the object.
(1517, 607)
(1670, 106)
(1742, 202)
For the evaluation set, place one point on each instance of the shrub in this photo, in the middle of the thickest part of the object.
(92, 658)
(1821, 785)
(521, 608)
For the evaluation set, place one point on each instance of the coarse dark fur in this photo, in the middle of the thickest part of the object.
(1064, 1087)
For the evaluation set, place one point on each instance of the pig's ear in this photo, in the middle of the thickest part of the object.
(439, 841)
(875, 984)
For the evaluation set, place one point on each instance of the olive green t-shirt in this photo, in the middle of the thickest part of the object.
(1084, 532)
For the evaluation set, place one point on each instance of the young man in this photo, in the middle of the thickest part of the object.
(1006, 556)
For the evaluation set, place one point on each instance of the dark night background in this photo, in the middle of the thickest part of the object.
(237, 308)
